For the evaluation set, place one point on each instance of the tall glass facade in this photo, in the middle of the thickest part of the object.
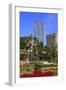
(39, 31)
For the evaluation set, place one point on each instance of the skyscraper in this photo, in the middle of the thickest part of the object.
(39, 31)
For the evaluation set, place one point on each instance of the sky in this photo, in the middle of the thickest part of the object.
(28, 19)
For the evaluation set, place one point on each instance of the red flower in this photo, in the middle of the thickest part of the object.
(38, 74)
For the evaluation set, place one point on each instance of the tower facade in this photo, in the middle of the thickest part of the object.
(39, 31)
(52, 39)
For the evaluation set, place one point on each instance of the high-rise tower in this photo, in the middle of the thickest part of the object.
(39, 31)
(52, 39)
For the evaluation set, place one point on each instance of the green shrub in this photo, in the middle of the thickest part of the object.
(38, 65)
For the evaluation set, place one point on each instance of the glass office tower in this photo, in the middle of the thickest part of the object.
(39, 31)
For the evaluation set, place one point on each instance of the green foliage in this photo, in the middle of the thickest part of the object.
(51, 53)
(47, 53)
(22, 57)
(41, 47)
(23, 42)
(38, 65)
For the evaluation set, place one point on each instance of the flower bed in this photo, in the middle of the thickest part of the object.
(39, 74)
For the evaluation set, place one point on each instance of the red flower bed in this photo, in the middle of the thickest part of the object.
(39, 74)
(27, 75)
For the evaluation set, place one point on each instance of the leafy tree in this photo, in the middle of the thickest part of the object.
(23, 42)
(54, 54)
(51, 53)
(47, 53)
(41, 47)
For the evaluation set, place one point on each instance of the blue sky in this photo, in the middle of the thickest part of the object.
(27, 21)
